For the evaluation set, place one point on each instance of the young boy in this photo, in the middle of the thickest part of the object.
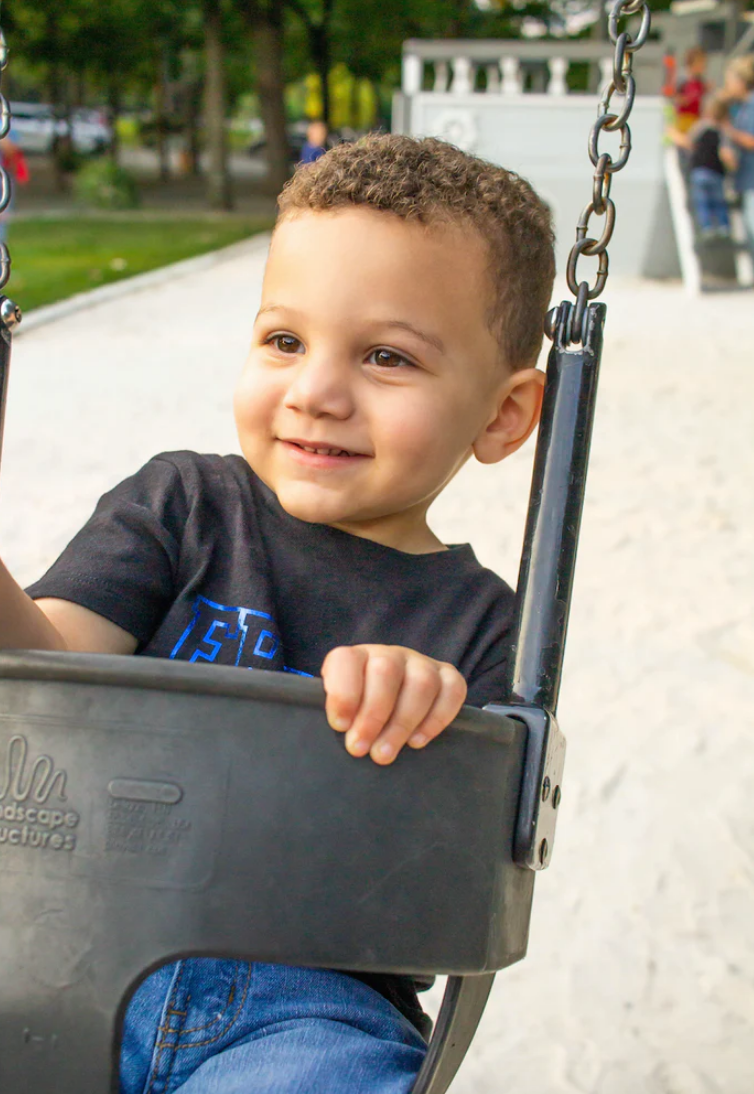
(708, 160)
(401, 318)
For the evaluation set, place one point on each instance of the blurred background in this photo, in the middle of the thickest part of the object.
(175, 109)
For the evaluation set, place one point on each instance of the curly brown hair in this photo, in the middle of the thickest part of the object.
(429, 181)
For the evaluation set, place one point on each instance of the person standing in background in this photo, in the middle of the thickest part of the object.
(316, 142)
(709, 158)
(689, 95)
(739, 132)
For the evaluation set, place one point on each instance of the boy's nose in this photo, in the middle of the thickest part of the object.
(321, 388)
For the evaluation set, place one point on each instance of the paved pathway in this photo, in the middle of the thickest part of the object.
(640, 977)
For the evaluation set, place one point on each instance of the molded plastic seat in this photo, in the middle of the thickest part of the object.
(150, 810)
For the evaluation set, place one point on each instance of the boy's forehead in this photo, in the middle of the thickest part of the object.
(369, 259)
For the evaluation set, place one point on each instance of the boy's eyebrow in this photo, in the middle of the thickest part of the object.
(425, 336)
(401, 324)
(273, 307)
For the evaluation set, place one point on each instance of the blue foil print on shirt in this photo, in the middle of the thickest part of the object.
(215, 627)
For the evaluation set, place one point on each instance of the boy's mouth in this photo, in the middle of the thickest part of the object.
(326, 450)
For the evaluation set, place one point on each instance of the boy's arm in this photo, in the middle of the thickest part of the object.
(51, 624)
(384, 697)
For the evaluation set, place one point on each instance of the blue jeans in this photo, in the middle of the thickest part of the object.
(709, 201)
(206, 1026)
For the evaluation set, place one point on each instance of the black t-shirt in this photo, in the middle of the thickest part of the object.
(196, 558)
(705, 150)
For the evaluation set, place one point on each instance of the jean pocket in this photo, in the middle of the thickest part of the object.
(207, 1002)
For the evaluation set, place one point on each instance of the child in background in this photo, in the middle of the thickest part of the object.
(739, 87)
(708, 161)
(316, 142)
(690, 93)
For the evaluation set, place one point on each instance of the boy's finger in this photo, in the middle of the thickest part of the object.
(445, 708)
(383, 678)
(343, 677)
(421, 687)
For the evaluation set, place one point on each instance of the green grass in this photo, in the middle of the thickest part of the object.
(53, 259)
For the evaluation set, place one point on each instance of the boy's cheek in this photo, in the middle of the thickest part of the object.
(254, 402)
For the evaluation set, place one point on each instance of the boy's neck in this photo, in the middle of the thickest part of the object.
(411, 537)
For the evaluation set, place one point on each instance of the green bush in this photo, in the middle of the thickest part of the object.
(101, 184)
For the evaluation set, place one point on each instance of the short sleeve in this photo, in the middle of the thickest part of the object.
(489, 686)
(123, 562)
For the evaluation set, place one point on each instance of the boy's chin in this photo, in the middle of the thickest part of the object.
(306, 503)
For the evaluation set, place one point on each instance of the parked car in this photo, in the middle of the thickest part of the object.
(91, 131)
(36, 128)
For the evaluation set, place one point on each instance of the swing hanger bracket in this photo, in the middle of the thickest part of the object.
(541, 790)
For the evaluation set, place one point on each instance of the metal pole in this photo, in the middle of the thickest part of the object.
(556, 502)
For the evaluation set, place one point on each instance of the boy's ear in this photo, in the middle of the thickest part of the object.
(518, 407)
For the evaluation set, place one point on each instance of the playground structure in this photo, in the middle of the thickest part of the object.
(511, 102)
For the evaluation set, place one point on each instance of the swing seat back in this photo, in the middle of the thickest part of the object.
(151, 810)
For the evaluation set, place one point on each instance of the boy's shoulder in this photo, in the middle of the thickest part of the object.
(205, 465)
(189, 476)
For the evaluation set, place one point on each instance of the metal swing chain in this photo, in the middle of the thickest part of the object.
(10, 314)
(611, 118)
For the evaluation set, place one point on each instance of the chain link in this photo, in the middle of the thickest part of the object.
(611, 117)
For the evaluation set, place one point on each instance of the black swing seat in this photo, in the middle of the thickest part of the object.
(151, 810)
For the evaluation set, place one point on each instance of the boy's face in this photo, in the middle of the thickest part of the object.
(372, 370)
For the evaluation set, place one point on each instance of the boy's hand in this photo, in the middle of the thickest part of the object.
(383, 697)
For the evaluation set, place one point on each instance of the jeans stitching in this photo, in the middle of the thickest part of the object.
(162, 1045)
(232, 1021)
(221, 1016)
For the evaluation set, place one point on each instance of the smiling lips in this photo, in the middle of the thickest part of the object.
(322, 450)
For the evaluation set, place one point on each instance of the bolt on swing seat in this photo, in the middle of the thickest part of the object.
(151, 810)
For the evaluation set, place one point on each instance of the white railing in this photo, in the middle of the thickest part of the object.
(502, 67)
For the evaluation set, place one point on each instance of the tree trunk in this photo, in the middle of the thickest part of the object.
(267, 32)
(60, 143)
(218, 177)
(161, 128)
(194, 101)
(114, 105)
(457, 23)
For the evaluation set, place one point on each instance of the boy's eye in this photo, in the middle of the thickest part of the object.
(286, 343)
(388, 358)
